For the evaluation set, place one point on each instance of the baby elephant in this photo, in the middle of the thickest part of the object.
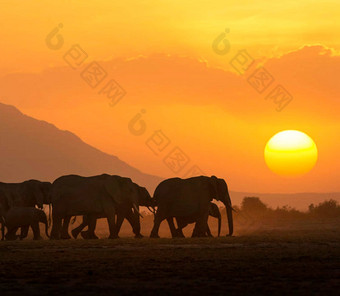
(184, 221)
(24, 217)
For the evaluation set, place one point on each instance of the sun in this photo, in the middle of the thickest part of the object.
(291, 153)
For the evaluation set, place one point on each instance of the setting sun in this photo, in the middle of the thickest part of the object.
(291, 153)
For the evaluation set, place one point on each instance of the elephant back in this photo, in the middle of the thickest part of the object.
(77, 195)
(180, 197)
(165, 189)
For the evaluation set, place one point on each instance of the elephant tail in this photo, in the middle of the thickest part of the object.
(49, 215)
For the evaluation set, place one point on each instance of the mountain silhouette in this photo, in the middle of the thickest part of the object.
(35, 149)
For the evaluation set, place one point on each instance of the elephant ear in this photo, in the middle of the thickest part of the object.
(213, 187)
(222, 185)
(113, 187)
(215, 212)
(223, 188)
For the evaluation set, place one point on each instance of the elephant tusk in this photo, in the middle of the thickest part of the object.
(229, 205)
(152, 210)
(136, 209)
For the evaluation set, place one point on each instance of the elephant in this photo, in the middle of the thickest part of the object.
(24, 217)
(26, 194)
(144, 199)
(96, 196)
(183, 221)
(190, 198)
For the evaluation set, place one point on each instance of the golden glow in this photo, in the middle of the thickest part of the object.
(291, 153)
(161, 53)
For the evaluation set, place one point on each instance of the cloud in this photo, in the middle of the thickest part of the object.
(309, 74)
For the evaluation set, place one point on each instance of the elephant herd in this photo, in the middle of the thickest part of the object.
(112, 197)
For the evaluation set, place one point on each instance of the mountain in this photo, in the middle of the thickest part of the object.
(35, 149)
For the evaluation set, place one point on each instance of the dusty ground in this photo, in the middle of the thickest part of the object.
(269, 262)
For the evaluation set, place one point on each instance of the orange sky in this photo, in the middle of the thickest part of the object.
(161, 53)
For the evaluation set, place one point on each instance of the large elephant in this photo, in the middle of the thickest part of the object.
(190, 197)
(93, 197)
(24, 217)
(144, 199)
(26, 194)
(184, 221)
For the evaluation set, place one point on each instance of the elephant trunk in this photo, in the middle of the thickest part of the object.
(229, 211)
(230, 220)
(219, 223)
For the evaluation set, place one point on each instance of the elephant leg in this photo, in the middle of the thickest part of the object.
(11, 233)
(92, 227)
(195, 232)
(208, 231)
(92, 223)
(172, 227)
(75, 232)
(180, 232)
(55, 232)
(157, 222)
(64, 230)
(110, 214)
(36, 231)
(119, 222)
(2, 230)
(23, 232)
(180, 226)
(2, 222)
(200, 229)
